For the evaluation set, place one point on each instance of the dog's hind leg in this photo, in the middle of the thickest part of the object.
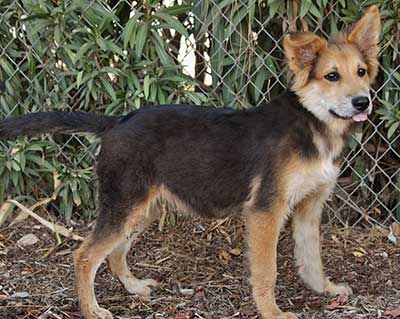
(87, 260)
(306, 223)
(118, 264)
(113, 228)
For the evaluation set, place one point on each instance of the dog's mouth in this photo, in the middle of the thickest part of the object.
(359, 117)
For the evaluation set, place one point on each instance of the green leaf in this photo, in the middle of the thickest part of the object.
(40, 25)
(171, 218)
(174, 78)
(160, 49)
(177, 9)
(82, 50)
(141, 39)
(333, 25)
(173, 23)
(392, 129)
(196, 97)
(109, 88)
(79, 79)
(110, 69)
(387, 25)
(68, 211)
(146, 86)
(6, 67)
(114, 48)
(274, 7)
(21, 160)
(262, 75)
(129, 33)
(76, 197)
(133, 82)
(161, 96)
(35, 159)
(252, 8)
(15, 166)
(270, 65)
(315, 12)
(14, 178)
(102, 44)
(137, 102)
(58, 36)
(305, 7)
(153, 92)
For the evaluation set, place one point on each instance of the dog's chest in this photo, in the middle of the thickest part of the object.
(311, 179)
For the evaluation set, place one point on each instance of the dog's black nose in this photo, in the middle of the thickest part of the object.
(360, 103)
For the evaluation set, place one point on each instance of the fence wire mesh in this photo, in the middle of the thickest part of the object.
(115, 56)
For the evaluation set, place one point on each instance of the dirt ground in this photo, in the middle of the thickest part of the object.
(202, 272)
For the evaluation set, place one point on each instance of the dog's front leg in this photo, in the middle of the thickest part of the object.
(263, 231)
(306, 222)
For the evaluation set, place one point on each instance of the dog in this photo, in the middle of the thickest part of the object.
(266, 163)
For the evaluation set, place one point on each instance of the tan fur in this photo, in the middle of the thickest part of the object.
(93, 252)
(87, 260)
(263, 231)
(118, 264)
(306, 234)
(301, 50)
(302, 178)
(365, 36)
(329, 147)
(319, 93)
(164, 195)
(254, 190)
(308, 53)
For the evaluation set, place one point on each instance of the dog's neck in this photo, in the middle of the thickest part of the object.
(329, 133)
(337, 127)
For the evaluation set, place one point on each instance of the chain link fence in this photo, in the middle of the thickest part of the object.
(115, 56)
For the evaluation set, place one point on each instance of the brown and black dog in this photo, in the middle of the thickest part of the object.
(265, 163)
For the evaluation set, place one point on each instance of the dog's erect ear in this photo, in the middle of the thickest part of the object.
(365, 36)
(301, 51)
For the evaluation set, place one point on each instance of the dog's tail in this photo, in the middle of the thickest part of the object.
(52, 122)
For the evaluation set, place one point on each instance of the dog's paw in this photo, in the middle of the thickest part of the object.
(141, 287)
(285, 315)
(99, 313)
(338, 289)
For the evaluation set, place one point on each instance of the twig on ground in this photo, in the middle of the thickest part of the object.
(58, 229)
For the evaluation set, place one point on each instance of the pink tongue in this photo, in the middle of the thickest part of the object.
(360, 117)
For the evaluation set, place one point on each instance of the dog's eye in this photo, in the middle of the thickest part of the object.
(361, 72)
(333, 76)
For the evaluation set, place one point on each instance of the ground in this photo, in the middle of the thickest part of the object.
(201, 267)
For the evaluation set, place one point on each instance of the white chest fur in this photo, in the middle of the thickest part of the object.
(310, 178)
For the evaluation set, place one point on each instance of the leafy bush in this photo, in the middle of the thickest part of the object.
(109, 56)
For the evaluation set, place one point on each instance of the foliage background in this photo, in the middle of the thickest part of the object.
(113, 56)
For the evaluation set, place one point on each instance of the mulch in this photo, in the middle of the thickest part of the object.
(202, 270)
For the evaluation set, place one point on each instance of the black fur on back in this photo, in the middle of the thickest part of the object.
(53, 122)
(206, 157)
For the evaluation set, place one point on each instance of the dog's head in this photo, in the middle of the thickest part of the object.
(333, 77)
